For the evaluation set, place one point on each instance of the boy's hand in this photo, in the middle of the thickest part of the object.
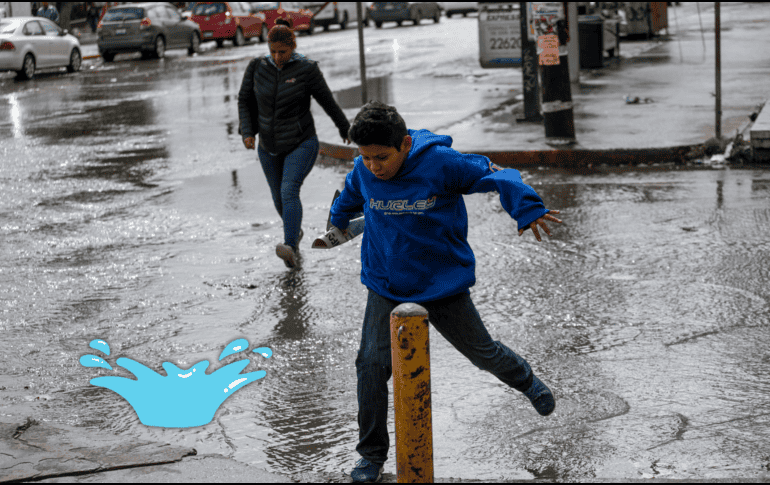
(541, 222)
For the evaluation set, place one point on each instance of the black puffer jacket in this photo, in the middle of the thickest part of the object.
(276, 103)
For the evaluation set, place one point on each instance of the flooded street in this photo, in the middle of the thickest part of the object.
(130, 212)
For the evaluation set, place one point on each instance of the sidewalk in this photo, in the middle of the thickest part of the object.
(676, 75)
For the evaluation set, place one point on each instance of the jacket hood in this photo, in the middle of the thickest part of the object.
(422, 140)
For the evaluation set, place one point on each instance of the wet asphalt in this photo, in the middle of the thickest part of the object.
(130, 212)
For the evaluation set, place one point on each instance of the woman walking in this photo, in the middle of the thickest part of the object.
(274, 102)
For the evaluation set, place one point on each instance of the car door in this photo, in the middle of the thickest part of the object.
(241, 18)
(57, 43)
(35, 37)
(179, 32)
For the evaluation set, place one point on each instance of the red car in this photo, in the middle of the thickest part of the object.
(221, 21)
(301, 18)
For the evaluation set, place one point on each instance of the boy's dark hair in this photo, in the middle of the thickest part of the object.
(378, 124)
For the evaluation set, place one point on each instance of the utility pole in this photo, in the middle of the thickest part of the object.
(552, 37)
(718, 61)
(529, 70)
(361, 56)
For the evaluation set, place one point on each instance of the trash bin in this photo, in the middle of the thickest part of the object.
(591, 39)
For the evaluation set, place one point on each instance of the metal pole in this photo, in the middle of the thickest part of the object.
(361, 56)
(718, 60)
(558, 116)
(410, 351)
(529, 70)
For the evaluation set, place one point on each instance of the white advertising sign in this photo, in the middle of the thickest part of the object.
(500, 35)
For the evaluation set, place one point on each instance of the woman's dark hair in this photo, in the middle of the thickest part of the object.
(284, 21)
(282, 34)
(378, 124)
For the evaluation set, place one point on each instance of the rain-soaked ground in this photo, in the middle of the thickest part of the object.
(130, 212)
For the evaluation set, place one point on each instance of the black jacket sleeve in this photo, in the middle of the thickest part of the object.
(321, 92)
(248, 109)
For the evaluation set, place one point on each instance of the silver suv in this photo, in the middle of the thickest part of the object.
(149, 28)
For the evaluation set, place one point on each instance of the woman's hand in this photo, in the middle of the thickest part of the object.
(249, 143)
(541, 222)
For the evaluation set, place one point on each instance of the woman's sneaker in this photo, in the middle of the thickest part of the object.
(541, 397)
(287, 254)
(366, 471)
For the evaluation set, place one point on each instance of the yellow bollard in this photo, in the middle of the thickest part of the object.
(410, 352)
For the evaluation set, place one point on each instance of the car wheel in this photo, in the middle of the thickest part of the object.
(195, 43)
(108, 56)
(344, 23)
(75, 61)
(399, 22)
(310, 27)
(417, 18)
(263, 33)
(378, 24)
(28, 68)
(437, 17)
(160, 48)
(239, 39)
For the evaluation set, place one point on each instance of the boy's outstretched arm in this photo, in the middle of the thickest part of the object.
(478, 174)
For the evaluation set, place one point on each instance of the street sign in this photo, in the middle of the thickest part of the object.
(499, 35)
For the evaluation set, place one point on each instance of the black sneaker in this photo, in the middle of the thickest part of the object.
(366, 471)
(541, 397)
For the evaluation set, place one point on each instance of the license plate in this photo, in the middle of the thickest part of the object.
(388, 7)
(120, 31)
(208, 34)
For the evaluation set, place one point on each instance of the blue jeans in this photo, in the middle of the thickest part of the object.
(285, 174)
(457, 320)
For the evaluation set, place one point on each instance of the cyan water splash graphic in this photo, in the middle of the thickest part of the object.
(266, 352)
(183, 398)
(100, 345)
(234, 346)
(94, 361)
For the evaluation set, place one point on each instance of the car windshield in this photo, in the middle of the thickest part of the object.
(118, 14)
(259, 6)
(209, 8)
(7, 26)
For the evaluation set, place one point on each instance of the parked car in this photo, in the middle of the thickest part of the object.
(31, 43)
(397, 12)
(464, 8)
(150, 28)
(220, 21)
(300, 17)
(326, 14)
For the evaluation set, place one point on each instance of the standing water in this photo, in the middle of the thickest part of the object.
(131, 215)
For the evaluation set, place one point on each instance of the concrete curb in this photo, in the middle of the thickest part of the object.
(575, 158)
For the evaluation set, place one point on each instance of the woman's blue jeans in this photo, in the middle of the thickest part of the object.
(285, 174)
(457, 320)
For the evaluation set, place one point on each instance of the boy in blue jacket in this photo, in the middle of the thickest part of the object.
(415, 249)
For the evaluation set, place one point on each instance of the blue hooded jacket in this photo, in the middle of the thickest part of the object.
(415, 246)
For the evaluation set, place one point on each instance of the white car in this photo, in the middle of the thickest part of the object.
(31, 43)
